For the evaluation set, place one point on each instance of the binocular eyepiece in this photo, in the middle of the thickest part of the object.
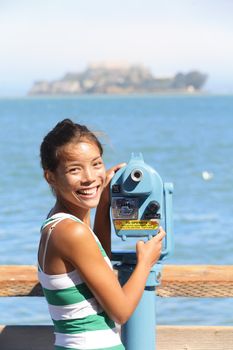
(136, 175)
(140, 201)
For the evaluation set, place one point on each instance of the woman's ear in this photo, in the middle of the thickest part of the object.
(49, 177)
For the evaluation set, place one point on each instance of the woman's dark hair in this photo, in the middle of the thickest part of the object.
(63, 133)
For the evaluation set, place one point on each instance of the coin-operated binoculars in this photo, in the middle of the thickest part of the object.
(140, 203)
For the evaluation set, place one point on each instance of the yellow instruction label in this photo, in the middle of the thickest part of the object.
(136, 224)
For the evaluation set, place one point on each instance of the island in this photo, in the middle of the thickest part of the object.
(119, 79)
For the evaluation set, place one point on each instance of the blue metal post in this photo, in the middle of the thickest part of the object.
(141, 202)
(139, 332)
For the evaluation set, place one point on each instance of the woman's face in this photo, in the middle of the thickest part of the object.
(80, 176)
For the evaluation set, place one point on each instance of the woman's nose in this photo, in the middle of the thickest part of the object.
(88, 175)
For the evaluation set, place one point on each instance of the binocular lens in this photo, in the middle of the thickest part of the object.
(136, 175)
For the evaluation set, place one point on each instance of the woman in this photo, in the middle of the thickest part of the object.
(84, 296)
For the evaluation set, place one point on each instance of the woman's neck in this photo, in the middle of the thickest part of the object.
(82, 214)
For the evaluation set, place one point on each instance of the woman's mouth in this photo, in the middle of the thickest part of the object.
(87, 192)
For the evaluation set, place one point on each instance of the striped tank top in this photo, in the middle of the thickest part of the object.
(79, 321)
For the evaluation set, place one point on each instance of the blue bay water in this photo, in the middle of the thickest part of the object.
(180, 136)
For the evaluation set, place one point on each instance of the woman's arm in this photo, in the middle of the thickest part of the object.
(102, 224)
(81, 250)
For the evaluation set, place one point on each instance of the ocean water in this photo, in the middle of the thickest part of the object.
(187, 139)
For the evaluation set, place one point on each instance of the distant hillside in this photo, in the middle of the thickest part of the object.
(103, 79)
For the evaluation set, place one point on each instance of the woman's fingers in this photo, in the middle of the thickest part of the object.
(111, 172)
(161, 234)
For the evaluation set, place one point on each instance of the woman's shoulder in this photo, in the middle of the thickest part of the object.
(67, 230)
(67, 222)
(64, 228)
(72, 237)
(54, 219)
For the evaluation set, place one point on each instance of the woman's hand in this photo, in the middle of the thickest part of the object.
(105, 197)
(150, 251)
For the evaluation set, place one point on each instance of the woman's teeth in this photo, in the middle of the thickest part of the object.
(88, 192)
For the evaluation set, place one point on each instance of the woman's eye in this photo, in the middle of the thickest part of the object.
(98, 164)
(74, 170)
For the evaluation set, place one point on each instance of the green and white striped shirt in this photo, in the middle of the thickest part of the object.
(79, 321)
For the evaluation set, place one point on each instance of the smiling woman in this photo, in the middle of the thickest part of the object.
(82, 299)
(79, 177)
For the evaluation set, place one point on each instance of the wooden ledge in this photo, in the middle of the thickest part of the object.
(19, 280)
(194, 337)
(196, 281)
(177, 281)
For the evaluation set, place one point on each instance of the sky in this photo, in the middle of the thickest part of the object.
(45, 39)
